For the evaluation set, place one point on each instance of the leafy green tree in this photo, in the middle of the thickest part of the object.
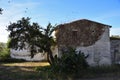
(25, 35)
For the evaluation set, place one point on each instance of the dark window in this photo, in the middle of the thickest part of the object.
(93, 31)
(74, 34)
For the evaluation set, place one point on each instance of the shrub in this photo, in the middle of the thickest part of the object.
(70, 63)
(4, 54)
(4, 51)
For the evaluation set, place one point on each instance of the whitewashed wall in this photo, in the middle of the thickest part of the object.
(99, 53)
(25, 54)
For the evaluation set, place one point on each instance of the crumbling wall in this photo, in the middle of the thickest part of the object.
(89, 37)
(115, 50)
(99, 53)
(79, 33)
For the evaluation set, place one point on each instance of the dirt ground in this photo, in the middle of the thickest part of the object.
(104, 78)
(20, 71)
(26, 71)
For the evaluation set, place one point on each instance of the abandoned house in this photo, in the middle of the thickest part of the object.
(90, 37)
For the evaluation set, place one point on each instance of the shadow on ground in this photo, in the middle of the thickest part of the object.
(18, 73)
(26, 71)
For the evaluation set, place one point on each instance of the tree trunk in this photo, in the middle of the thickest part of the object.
(50, 56)
(32, 54)
(48, 59)
(32, 51)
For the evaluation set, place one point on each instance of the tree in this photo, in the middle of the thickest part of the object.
(25, 35)
(46, 41)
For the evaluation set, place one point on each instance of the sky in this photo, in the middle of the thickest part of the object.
(59, 12)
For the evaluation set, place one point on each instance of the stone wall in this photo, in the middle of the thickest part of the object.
(99, 52)
(87, 36)
(79, 33)
(115, 50)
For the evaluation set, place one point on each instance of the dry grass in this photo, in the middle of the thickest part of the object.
(20, 71)
(27, 64)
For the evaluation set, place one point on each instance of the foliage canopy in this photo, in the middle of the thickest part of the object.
(24, 35)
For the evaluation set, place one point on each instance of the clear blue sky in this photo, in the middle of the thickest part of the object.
(60, 11)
